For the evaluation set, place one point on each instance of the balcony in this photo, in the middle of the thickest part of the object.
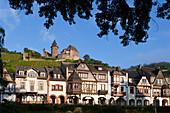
(166, 95)
(74, 91)
(118, 94)
(142, 94)
(102, 92)
(116, 83)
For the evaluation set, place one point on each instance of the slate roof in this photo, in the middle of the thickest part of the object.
(6, 75)
(56, 70)
(74, 77)
(25, 68)
(70, 47)
(54, 44)
(92, 67)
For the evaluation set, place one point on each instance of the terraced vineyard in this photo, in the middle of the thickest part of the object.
(11, 60)
(7, 57)
(37, 64)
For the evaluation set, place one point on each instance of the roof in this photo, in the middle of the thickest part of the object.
(6, 75)
(70, 47)
(25, 68)
(92, 67)
(74, 77)
(54, 44)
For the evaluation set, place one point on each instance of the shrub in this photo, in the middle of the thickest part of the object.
(78, 110)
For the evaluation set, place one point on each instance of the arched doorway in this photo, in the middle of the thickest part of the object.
(157, 102)
(102, 100)
(75, 100)
(62, 100)
(164, 102)
(139, 102)
(146, 102)
(88, 100)
(132, 102)
(111, 101)
(121, 101)
(53, 99)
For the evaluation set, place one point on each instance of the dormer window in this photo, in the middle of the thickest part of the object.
(99, 68)
(21, 72)
(83, 66)
(32, 74)
(55, 76)
(42, 74)
(130, 80)
(59, 76)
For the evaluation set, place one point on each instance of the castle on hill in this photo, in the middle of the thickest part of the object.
(69, 53)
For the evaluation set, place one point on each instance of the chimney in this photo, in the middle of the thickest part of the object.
(139, 67)
(66, 73)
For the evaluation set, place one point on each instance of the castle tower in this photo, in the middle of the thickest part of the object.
(54, 49)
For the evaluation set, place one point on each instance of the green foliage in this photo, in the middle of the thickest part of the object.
(37, 64)
(40, 108)
(88, 60)
(78, 110)
(32, 54)
(133, 17)
(164, 66)
(9, 56)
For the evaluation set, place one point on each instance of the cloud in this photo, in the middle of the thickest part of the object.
(47, 36)
(9, 17)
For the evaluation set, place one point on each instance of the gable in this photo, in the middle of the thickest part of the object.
(143, 81)
(160, 75)
(82, 66)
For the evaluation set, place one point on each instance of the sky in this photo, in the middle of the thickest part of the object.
(28, 31)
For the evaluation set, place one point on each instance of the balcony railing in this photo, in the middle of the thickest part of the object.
(143, 94)
(102, 92)
(119, 93)
(74, 91)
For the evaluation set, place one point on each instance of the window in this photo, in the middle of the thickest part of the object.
(130, 80)
(83, 75)
(69, 74)
(99, 68)
(70, 86)
(122, 89)
(102, 77)
(157, 91)
(35, 74)
(42, 74)
(83, 66)
(55, 76)
(76, 86)
(32, 87)
(57, 87)
(21, 73)
(131, 90)
(102, 86)
(59, 76)
(53, 87)
(61, 88)
(121, 79)
(22, 85)
(167, 91)
(158, 81)
(154, 91)
(143, 80)
(40, 86)
(161, 81)
(152, 80)
(89, 87)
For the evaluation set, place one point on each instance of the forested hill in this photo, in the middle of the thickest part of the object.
(165, 66)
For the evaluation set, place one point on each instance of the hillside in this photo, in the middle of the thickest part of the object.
(165, 66)
(10, 60)
(8, 57)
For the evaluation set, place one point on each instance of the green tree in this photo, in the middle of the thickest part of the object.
(133, 18)
(86, 57)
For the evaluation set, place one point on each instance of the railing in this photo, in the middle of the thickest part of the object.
(102, 92)
(119, 93)
(143, 94)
